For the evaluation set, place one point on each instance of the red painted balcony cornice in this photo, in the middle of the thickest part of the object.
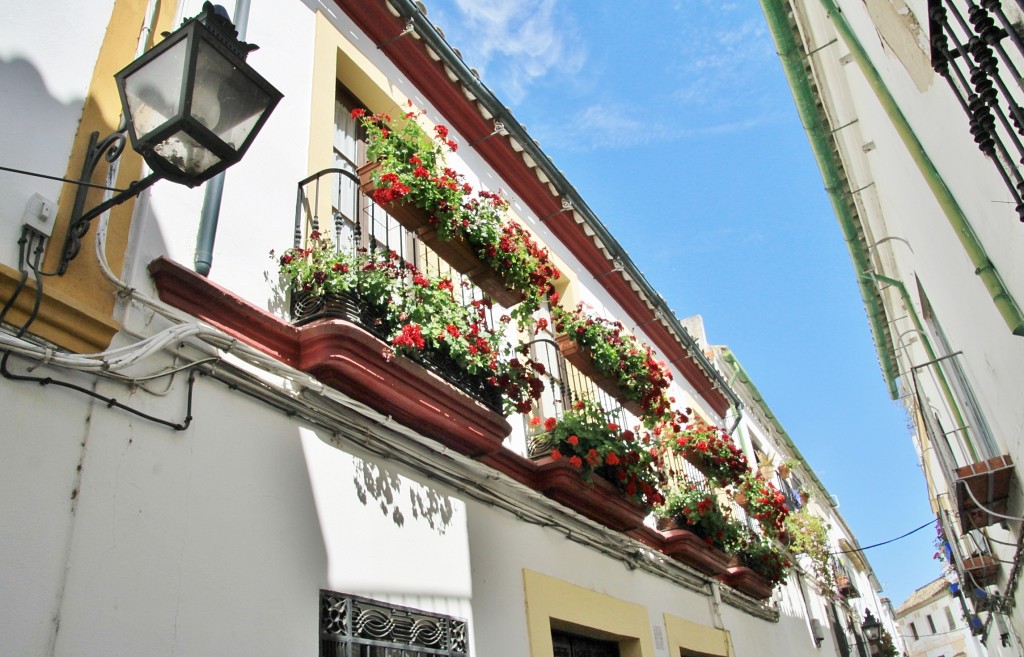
(345, 357)
(349, 359)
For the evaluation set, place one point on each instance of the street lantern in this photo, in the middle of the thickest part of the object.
(872, 629)
(192, 107)
(192, 104)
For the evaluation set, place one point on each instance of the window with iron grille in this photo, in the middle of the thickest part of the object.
(351, 626)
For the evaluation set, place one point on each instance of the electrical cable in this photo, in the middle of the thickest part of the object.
(891, 540)
(987, 510)
(110, 401)
(23, 242)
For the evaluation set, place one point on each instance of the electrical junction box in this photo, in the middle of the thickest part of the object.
(40, 213)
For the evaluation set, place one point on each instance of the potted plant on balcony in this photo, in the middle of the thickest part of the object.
(696, 527)
(622, 365)
(764, 503)
(785, 467)
(760, 554)
(693, 506)
(418, 315)
(809, 536)
(584, 438)
(708, 448)
(407, 175)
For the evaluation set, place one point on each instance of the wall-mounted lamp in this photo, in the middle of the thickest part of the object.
(192, 107)
(817, 633)
(872, 629)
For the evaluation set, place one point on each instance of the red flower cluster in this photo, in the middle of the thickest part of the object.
(617, 354)
(410, 336)
(709, 448)
(590, 443)
(412, 171)
(390, 190)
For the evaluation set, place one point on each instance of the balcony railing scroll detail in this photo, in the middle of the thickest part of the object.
(967, 48)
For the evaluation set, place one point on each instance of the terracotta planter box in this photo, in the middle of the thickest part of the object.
(457, 253)
(596, 499)
(685, 546)
(581, 359)
(306, 308)
(346, 357)
(747, 581)
(988, 482)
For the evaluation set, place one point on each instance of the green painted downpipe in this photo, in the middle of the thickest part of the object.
(984, 268)
(947, 392)
(819, 136)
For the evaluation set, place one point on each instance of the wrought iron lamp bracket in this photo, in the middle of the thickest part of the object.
(108, 149)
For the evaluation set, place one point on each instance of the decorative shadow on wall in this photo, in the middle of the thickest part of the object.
(376, 484)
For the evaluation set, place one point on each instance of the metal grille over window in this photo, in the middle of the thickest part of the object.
(351, 626)
(970, 43)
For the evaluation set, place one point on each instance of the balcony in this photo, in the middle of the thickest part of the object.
(343, 340)
(982, 487)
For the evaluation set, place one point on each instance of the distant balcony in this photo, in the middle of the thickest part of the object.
(982, 487)
(845, 584)
(981, 570)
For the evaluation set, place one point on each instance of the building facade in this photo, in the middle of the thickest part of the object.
(200, 455)
(912, 111)
(934, 621)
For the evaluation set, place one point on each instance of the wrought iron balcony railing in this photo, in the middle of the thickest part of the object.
(354, 221)
(977, 49)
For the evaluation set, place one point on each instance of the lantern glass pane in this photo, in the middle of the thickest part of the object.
(186, 155)
(153, 91)
(233, 101)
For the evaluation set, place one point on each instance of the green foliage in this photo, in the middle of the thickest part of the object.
(706, 446)
(419, 313)
(809, 536)
(586, 437)
(695, 507)
(411, 170)
(626, 359)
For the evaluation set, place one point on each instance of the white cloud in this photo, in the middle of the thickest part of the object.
(619, 126)
(513, 44)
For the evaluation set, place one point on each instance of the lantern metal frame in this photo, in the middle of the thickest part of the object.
(210, 29)
(872, 629)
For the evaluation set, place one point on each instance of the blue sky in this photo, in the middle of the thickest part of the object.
(674, 121)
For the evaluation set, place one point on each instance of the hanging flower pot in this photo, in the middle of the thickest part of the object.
(619, 363)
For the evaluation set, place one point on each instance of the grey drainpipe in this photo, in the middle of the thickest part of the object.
(408, 10)
(215, 187)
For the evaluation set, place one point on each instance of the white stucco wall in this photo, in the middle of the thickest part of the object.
(46, 60)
